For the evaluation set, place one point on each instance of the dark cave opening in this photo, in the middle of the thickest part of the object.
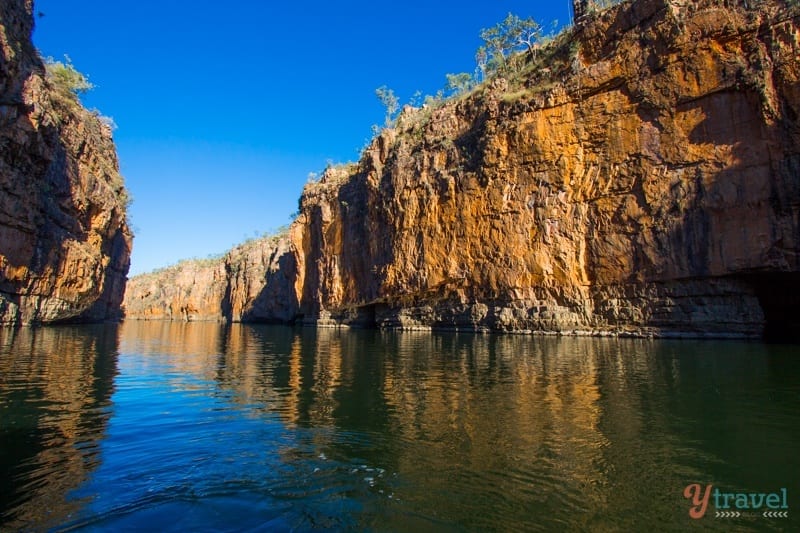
(779, 296)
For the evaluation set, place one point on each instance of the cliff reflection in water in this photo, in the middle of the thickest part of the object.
(342, 430)
(55, 390)
(489, 430)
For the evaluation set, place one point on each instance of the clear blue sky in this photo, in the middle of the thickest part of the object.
(223, 108)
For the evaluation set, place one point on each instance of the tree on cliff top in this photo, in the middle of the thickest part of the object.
(459, 83)
(511, 35)
(65, 77)
(390, 102)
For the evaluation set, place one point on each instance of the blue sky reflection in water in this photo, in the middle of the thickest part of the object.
(202, 426)
(224, 109)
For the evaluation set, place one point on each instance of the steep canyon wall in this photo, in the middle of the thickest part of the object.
(253, 282)
(639, 176)
(64, 240)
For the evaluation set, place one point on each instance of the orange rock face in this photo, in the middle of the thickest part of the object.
(649, 185)
(252, 282)
(64, 241)
(642, 177)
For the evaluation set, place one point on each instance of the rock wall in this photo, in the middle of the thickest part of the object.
(252, 282)
(640, 176)
(64, 240)
(645, 179)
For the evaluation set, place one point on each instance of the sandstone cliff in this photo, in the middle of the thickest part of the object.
(252, 282)
(641, 175)
(64, 240)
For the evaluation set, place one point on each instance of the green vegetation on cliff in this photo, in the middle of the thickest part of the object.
(66, 79)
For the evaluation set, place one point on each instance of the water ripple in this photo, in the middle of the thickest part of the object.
(229, 428)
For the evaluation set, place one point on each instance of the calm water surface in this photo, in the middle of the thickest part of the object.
(206, 427)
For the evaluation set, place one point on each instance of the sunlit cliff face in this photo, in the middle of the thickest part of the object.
(607, 195)
(601, 190)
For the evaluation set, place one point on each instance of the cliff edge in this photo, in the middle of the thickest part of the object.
(639, 176)
(253, 282)
(64, 240)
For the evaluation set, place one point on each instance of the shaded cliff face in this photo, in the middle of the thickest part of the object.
(64, 241)
(642, 176)
(649, 182)
(252, 282)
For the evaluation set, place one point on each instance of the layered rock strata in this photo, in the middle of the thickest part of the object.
(64, 240)
(640, 176)
(650, 183)
(252, 282)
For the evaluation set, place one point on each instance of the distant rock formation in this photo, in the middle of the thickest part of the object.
(253, 282)
(64, 241)
(640, 176)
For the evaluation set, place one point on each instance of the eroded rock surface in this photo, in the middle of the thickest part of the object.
(641, 186)
(252, 282)
(64, 240)
(640, 177)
